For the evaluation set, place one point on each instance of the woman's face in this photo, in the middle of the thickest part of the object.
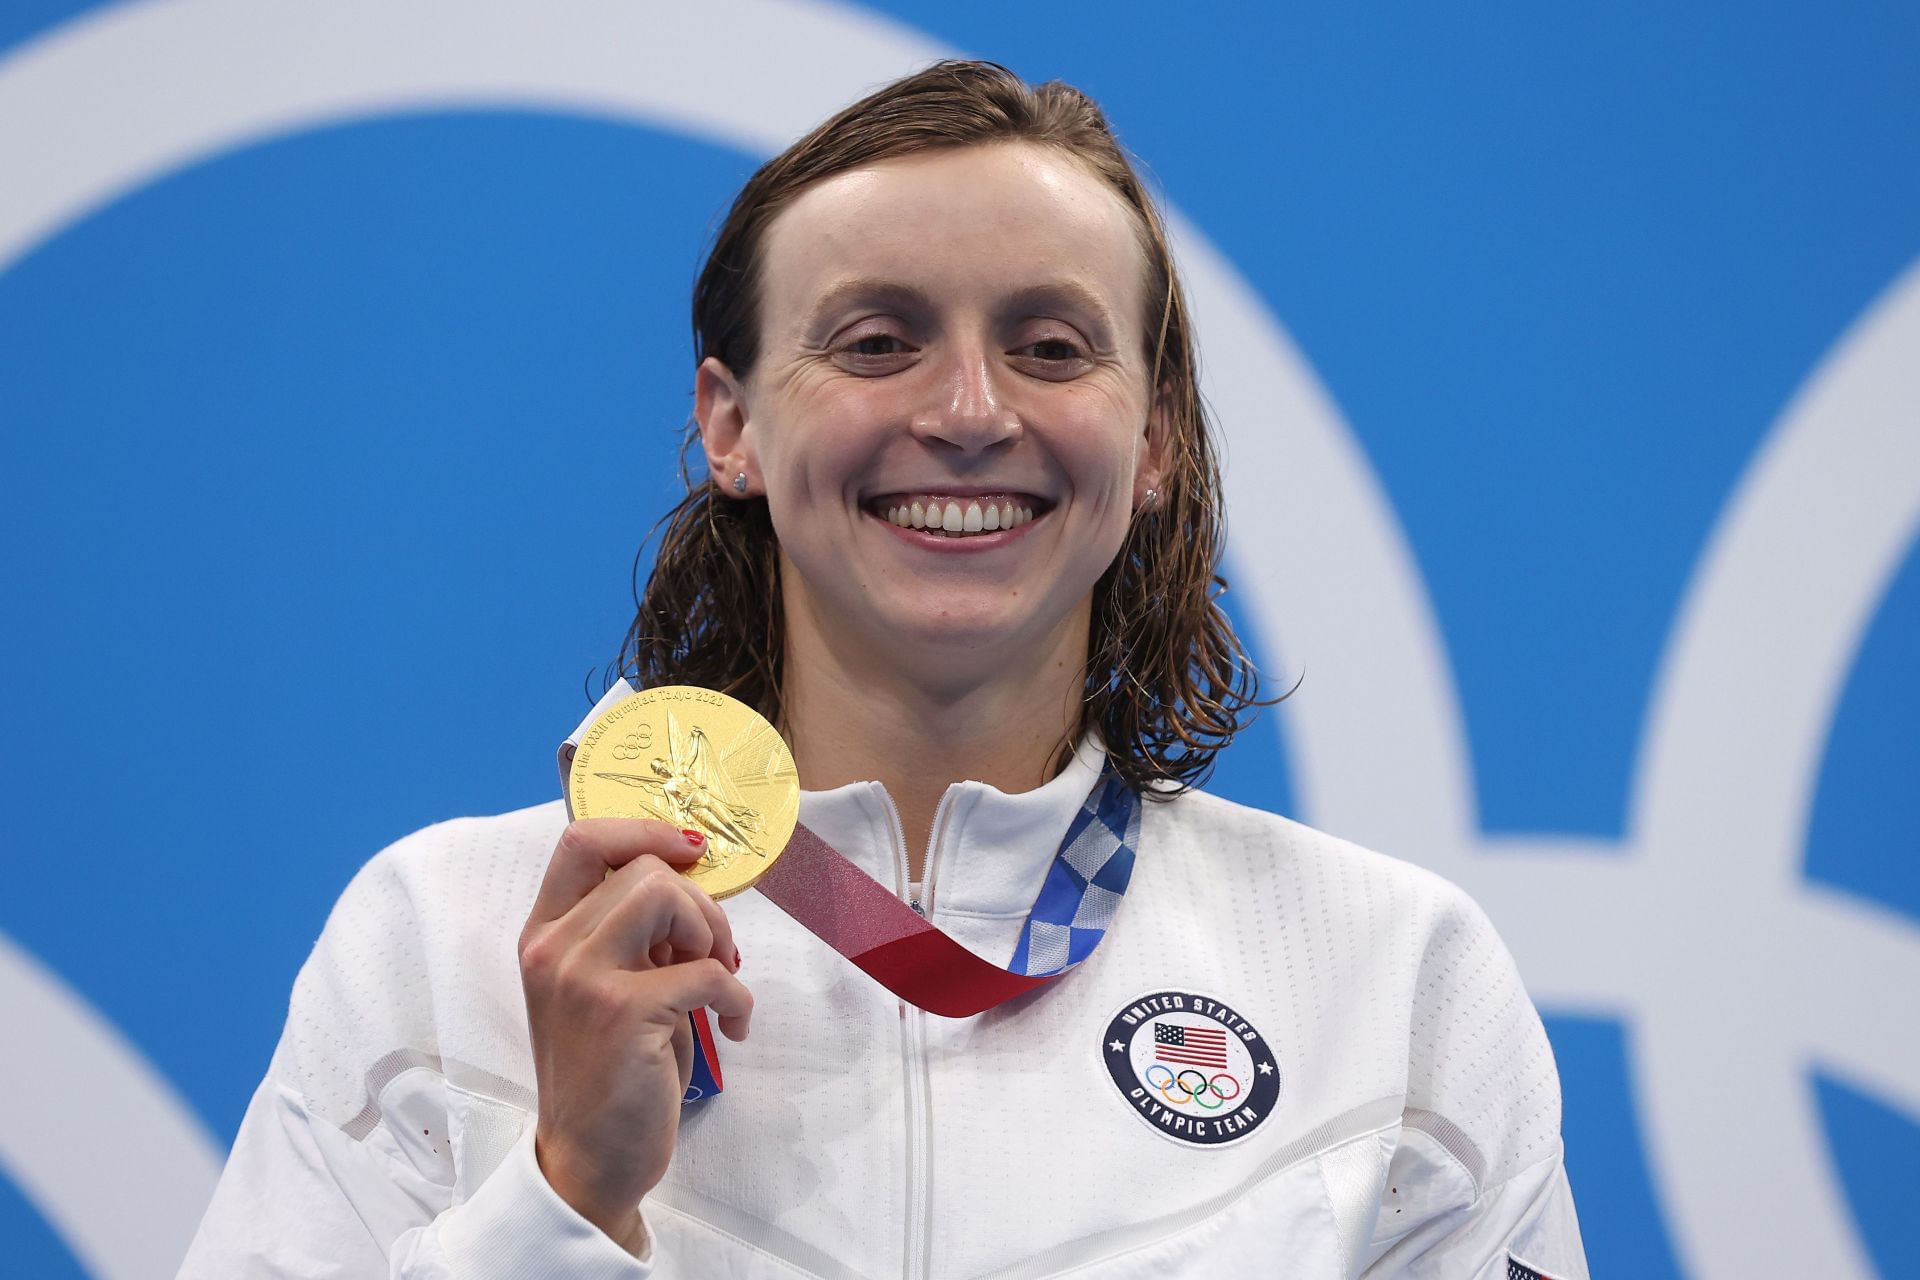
(949, 417)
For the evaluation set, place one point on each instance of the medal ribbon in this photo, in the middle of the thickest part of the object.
(895, 945)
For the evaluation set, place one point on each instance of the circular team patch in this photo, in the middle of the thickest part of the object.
(1192, 1067)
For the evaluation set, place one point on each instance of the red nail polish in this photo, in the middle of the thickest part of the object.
(736, 957)
(693, 837)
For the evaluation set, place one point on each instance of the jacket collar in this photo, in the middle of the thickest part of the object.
(991, 848)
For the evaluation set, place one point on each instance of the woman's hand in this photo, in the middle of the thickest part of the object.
(618, 950)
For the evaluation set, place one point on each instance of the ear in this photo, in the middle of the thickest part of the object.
(720, 407)
(1156, 454)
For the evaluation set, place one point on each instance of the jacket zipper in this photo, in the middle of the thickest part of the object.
(919, 1258)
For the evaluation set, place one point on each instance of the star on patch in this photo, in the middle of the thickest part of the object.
(1117, 1045)
(1266, 1068)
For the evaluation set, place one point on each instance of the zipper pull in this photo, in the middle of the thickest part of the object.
(917, 908)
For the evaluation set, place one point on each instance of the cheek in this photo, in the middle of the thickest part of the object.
(814, 461)
(816, 440)
(1099, 453)
(1098, 415)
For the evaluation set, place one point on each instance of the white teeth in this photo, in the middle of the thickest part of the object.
(957, 516)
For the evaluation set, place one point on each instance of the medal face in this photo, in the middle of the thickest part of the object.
(702, 761)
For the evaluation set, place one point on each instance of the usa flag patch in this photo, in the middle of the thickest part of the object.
(1518, 1270)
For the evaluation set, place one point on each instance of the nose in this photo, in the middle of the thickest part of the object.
(968, 412)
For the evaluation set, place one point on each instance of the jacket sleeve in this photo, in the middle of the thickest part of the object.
(1477, 1186)
(301, 1198)
(358, 1158)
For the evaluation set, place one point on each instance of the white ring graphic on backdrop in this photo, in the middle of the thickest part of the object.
(1789, 581)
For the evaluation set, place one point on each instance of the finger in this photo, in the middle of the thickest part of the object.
(591, 847)
(586, 916)
(701, 984)
(732, 1027)
(651, 910)
(724, 948)
(683, 1052)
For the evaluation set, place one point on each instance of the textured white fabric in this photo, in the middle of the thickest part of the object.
(1416, 1132)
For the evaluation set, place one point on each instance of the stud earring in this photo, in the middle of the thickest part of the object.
(740, 483)
(1153, 496)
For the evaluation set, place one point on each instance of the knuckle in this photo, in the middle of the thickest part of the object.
(649, 884)
(602, 995)
(575, 841)
(540, 952)
(578, 977)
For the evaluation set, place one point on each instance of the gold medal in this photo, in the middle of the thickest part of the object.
(702, 761)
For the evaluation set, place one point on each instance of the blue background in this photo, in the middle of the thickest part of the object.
(360, 429)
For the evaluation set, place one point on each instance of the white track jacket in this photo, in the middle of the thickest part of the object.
(1290, 1057)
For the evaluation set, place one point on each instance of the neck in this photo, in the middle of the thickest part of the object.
(851, 718)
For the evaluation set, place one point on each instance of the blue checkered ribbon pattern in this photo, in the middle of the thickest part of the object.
(1084, 886)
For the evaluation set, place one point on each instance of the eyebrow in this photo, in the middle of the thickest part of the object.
(907, 297)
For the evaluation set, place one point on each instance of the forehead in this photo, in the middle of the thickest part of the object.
(969, 226)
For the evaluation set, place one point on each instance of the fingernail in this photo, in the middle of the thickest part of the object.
(694, 838)
(736, 959)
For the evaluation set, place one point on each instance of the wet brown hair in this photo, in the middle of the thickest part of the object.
(1167, 682)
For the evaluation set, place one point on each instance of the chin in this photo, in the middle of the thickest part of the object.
(939, 628)
(956, 632)
(947, 627)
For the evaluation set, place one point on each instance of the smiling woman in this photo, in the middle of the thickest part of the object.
(956, 537)
(960, 331)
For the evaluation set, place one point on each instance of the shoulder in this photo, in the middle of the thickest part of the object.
(457, 867)
(1247, 844)
(433, 903)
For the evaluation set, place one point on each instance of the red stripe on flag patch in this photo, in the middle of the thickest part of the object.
(1189, 1046)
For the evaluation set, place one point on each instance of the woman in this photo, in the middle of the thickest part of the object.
(956, 539)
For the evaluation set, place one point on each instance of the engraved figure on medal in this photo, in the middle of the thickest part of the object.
(698, 795)
(702, 761)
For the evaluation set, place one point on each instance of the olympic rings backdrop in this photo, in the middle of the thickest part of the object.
(1569, 366)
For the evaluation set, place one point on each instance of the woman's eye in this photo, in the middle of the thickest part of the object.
(874, 345)
(1051, 350)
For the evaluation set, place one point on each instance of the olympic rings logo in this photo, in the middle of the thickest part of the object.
(1199, 1092)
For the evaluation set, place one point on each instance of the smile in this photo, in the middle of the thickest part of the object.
(954, 516)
